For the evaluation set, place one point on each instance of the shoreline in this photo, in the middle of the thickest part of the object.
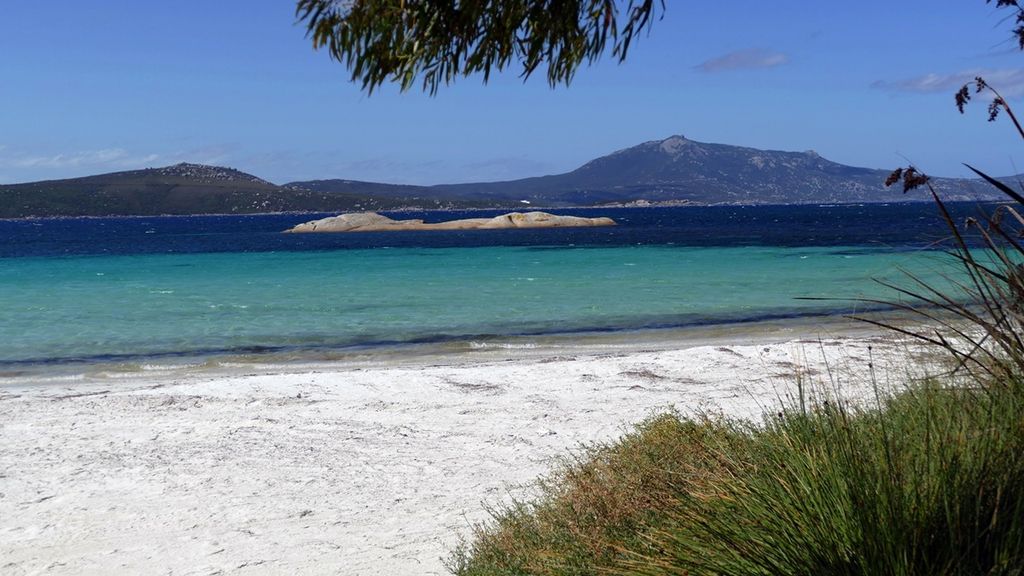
(442, 350)
(361, 466)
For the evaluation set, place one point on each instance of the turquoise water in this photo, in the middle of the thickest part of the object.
(151, 305)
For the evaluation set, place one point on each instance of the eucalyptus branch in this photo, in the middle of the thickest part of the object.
(434, 42)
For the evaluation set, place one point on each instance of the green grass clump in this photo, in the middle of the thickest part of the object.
(596, 502)
(927, 482)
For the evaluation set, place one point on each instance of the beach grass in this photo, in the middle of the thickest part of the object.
(926, 481)
(598, 501)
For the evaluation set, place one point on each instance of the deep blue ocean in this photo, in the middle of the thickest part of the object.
(113, 289)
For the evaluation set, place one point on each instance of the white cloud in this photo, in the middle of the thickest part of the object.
(751, 58)
(1008, 81)
(25, 165)
(503, 168)
(108, 157)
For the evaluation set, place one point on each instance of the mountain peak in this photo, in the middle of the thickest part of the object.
(208, 173)
(674, 144)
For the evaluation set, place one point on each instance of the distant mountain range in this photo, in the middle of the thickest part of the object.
(674, 170)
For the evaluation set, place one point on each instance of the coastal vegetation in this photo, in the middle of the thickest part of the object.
(925, 482)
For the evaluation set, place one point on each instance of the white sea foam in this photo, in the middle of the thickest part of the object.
(503, 345)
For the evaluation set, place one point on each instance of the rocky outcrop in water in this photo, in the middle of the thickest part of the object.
(373, 222)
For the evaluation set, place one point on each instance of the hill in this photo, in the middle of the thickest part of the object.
(185, 189)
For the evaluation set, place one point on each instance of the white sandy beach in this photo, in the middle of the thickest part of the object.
(343, 468)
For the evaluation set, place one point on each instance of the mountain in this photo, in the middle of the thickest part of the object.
(186, 189)
(680, 170)
(673, 170)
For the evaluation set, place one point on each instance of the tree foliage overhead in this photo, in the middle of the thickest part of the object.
(434, 42)
(1018, 30)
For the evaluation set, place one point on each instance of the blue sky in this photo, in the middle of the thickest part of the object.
(89, 87)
